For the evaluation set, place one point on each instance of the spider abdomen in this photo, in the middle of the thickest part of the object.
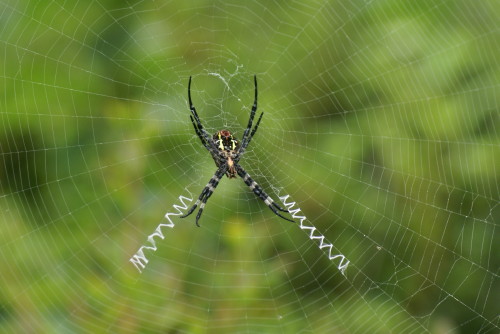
(227, 146)
(225, 141)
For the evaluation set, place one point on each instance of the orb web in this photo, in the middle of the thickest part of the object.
(380, 134)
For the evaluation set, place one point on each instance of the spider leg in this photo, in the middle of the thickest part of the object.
(253, 131)
(199, 134)
(206, 193)
(198, 127)
(260, 193)
(245, 137)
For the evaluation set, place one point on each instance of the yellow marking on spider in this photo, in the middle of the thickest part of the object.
(221, 146)
(234, 143)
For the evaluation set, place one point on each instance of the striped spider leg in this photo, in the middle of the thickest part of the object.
(257, 190)
(206, 193)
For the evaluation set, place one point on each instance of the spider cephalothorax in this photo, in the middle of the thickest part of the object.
(226, 151)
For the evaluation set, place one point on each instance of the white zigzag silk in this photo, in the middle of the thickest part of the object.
(139, 260)
(322, 240)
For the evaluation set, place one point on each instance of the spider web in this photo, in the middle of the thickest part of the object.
(380, 134)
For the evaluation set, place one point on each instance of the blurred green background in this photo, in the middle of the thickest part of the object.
(381, 122)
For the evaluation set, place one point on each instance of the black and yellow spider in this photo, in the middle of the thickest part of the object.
(226, 151)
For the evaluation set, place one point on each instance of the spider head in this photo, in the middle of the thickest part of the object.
(225, 141)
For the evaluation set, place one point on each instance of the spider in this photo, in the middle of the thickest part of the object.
(226, 151)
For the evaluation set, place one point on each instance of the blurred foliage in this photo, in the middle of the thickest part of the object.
(381, 122)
